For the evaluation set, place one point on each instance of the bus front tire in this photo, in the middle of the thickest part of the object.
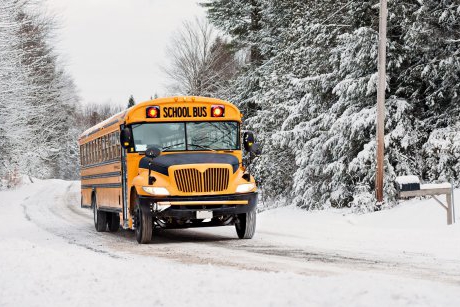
(246, 225)
(100, 217)
(113, 221)
(143, 224)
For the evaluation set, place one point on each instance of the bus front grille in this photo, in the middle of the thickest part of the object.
(212, 180)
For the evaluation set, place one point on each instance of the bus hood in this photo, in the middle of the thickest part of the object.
(162, 163)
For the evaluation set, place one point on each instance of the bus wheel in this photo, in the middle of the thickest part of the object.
(100, 217)
(143, 224)
(246, 225)
(113, 221)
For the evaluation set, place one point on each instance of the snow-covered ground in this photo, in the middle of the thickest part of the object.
(51, 255)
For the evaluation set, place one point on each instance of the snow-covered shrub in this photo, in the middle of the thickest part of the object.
(363, 202)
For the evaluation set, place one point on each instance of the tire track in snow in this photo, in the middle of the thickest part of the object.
(42, 212)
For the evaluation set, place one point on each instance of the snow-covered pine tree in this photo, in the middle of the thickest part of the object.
(131, 102)
(242, 20)
(316, 100)
(434, 36)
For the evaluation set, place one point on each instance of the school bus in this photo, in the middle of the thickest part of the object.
(175, 162)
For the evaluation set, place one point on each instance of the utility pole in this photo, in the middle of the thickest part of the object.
(381, 66)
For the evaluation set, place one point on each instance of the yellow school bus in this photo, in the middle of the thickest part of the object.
(175, 162)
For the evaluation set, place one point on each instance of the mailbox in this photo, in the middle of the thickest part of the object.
(407, 183)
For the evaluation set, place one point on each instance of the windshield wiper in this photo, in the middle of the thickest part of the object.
(188, 144)
(174, 145)
(202, 147)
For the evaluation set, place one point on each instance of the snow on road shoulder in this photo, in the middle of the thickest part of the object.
(38, 268)
(414, 227)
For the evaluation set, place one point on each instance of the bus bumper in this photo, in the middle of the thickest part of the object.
(186, 207)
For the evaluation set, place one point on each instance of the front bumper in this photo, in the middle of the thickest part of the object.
(186, 207)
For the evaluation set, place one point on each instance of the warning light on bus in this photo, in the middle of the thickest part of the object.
(218, 111)
(153, 112)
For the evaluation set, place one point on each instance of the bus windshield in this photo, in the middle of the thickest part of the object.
(186, 136)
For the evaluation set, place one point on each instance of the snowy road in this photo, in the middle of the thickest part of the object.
(50, 253)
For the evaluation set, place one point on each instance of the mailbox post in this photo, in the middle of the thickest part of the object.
(409, 186)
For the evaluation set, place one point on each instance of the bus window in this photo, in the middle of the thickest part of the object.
(85, 156)
(99, 149)
(94, 151)
(104, 148)
(90, 153)
(114, 143)
(162, 135)
(112, 146)
(109, 147)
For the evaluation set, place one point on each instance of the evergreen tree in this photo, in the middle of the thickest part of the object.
(314, 96)
(243, 21)
(131, 102)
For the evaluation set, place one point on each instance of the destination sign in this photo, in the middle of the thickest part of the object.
(184, 112)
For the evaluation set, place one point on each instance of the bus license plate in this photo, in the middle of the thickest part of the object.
(204, 215)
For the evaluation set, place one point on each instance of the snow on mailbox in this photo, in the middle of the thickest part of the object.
(407, 183)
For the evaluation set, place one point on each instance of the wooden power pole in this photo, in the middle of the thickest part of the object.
(381, 66)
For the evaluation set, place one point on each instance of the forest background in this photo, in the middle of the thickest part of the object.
(303, 72)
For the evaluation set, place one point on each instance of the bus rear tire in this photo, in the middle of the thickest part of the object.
(113, 221)
(143, 223)
(100, 217)
(246, 225)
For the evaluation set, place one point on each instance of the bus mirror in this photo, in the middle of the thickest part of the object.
(248, 140)
(255, 149)
(152, 152)
(126, 138)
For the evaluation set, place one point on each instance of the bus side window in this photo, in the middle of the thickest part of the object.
(117, 144)
(115, 141)
(112, 146)
(84, 154)
(104, 148)
(99, 155)
(90, 153)
(93, 151)
(107, 151)
(102, 145)
(98, 147)
(109, 147)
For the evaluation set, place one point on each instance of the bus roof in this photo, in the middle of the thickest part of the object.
(137, 112)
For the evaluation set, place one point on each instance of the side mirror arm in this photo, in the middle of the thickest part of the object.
(151, 178)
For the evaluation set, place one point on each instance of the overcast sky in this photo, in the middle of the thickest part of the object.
(113, 48)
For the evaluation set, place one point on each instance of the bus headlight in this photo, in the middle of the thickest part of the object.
(156, 191)
(245, 187)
